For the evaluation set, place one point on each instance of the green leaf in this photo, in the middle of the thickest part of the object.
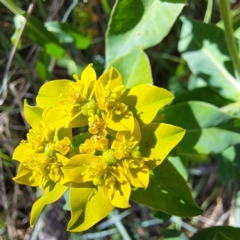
(71, 66)
(51, 194)
(162, 216)
(232, 109)
(139, 23)
(173, 234)
(33, 114)
(203, 46)
(37, 32)
(134, 67)
(208, 130)
(221, 236)
(180, 163)
(18, 22)
(43, 62)
(88, 207)
(77, 140)
(217, 233)
(12, 7)
(168, 192)
(67, 33)
(228, 164)
(6, 159)
(205, 94)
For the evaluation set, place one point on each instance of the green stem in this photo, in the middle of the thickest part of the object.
(208, 14)
(227, 21)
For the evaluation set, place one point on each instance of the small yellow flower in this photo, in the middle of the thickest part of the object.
(88, 146)
(96, 124)
(123, 146)
(94, 171)
(38, 156)
(136, 171)
(116, 188)
(63, 146)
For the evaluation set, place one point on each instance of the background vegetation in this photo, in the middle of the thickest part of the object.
(60, 38)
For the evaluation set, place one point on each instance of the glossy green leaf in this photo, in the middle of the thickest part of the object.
(158, 140)
(145, 100)
(139, 23)
(228, 164)
(204, 94)
(33, 114)
(217, 233)
(232, 109)
(180, 163)
(38, 33)
(173, 234)
(208, 130)
(168, 192)
(51, 194)
(88, 206)
(162, 216)
(221, 236)
(134, 68)
(204, 48)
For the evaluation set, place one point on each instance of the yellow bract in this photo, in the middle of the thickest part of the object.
(115, 150)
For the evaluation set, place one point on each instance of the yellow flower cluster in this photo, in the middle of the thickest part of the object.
(96, 138)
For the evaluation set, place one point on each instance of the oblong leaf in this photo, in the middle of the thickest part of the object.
(168, 192)
(208, 130)
(210, 233)
(203, 46)
(139, 23)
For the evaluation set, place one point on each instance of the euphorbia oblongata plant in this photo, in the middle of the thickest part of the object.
(94, 139)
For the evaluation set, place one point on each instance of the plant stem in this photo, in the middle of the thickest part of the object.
(227, 21)
(208, 14)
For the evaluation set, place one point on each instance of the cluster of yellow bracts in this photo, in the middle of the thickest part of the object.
(95, 138)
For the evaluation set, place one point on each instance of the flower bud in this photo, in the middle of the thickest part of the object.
(136, 154)
(89, 108)
(50, 149)
(109, 158)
